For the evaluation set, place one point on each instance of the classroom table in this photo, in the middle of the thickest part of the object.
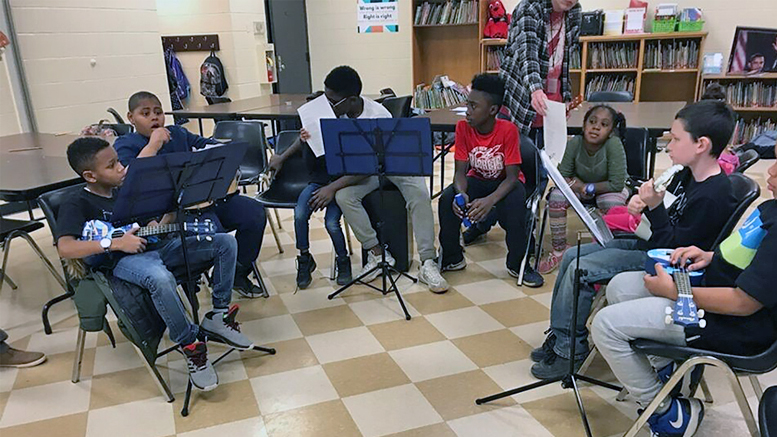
(657, 117)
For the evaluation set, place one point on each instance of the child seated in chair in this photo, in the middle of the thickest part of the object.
(737, 295)
(235, 212)
(488, 176)
(148, 265)
(594, 166)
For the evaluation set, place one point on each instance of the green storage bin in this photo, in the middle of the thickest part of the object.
(664, 26)
(690, 26)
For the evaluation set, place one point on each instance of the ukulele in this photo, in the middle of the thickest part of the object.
(684, 312)
(575, 103)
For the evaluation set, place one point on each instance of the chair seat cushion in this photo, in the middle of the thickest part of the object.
(763, 362)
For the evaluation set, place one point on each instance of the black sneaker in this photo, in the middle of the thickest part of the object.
(541, 353)
(688, 385)
(306, 265)
(473, 235)
(531, 278)
(243, 286)
(553, 366)
(344, 274)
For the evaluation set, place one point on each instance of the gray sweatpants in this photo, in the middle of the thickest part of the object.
(632, 313)
(417, 199)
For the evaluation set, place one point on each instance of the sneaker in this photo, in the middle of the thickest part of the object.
(306, 265)
(550, 262)
(688, 385)
(372, 262)
(682, 419)
(531, 278)
(553, 366)
(539, 354)
(201, 372)
(243, 286)
(461, 265)
(473, 235)
(223, 328)
(343, 264)
(430, 275)
(19, 358)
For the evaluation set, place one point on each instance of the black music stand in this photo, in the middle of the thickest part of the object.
(382, 147)
(568, 380)
(171, 182)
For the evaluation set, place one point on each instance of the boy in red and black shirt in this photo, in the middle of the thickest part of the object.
(488, 156)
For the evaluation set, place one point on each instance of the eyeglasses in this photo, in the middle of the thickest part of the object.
(334, 105)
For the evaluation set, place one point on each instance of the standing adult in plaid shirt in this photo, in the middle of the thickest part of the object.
(535, 66)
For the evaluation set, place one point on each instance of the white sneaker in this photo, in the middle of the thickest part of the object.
(372, 262)
(430, 275)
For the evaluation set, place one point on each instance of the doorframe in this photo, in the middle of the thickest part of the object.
(271, 40)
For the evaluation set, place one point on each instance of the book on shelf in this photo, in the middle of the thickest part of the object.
(442, 93)
(744, 131)
(494, 58)
(574, 61)
(610, 82)
(613, 55)
(671, 55)
(441, 13)
(756, 94)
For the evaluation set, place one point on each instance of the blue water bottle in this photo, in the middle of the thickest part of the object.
(463, 206)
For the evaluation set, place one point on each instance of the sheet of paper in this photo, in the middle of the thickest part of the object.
(597, 228)
(555, 130)
(311, 114)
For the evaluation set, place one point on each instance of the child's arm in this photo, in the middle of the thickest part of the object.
(277, 160)
(158, 139)
(71, 248)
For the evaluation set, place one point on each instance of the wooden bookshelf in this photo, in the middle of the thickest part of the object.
(751, 114)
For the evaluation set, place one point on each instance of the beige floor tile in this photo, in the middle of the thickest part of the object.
(405, 333)
(108, 359)
(102, 338)
(326, 320)
(559, 414)
(473, 273)
(73, 425)
(517, 312)
(293, 389)
(489, 291)
(60, 341)
(365, 374)
(124, 386)
(310, 299)
(58, 367)
(344, 344)
(270, 253)
(361, 293)
(285, 283)
(327, 419)
(454, 396)
(260, 308)
(487, 251)
(291, 354)
(517, 374)
(504, 422)
(227, 403)
(7, 378)
(464, 322)
(492, 348)
(432, 360)
(429, 303)
(147, 418)
(391, 410)
(383, 310)
(437, 430)
(253, 427)
(532, 333)
(3, 401)
(46, 402)
(271, 329)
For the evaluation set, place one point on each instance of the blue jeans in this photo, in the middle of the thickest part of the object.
(302, 214)
(152, 270)
(598, 264)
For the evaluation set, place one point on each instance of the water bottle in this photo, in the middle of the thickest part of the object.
(463, 206)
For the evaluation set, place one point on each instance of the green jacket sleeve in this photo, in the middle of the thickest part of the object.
(616, 164)
(567, 165)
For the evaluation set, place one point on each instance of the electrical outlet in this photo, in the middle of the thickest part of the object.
(259, 28)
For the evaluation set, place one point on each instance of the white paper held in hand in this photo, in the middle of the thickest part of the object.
(311, 114)
(555, 130)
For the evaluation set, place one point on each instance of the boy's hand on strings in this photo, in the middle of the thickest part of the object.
(129, 242)
(699, 258)
(649, 195)
(636, 205)
(661, 285)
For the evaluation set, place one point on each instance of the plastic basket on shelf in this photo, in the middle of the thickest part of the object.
(664, 26)
(690, 26)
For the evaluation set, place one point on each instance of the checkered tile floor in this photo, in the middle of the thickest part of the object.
(347, 367)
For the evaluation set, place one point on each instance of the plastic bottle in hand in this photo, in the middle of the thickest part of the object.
(463, 206)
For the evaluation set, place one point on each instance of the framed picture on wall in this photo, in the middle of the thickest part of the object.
(753, 51)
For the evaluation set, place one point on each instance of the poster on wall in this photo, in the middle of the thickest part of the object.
(377, 16)
(753, 51)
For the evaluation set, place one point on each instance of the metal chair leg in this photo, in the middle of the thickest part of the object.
(622, 395)
(45, 260)
(6, 251)
(7, 279)
(543, 223)
(275, 234)
(278, 218)
(156, 376)
(79, 357)
(332, 271)
(348, 236)
(705, 390)
(759, 391)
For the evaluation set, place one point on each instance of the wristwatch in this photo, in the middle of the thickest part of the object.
(105, 243)
(590, 190)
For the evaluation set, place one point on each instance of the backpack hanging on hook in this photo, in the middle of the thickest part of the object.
(213, 81)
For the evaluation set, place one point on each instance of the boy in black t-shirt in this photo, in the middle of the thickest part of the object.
(135, 260)
(739, 299)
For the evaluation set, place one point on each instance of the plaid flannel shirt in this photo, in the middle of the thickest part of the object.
(526, 60)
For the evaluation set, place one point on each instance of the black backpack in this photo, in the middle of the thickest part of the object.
(213, 81)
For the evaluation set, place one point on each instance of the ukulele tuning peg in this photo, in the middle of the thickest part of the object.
(668, 320)
(702, 324)
(208, 238)
(700, 313)
(668, 310)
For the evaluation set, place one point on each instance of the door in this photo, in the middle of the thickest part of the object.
(288, 30)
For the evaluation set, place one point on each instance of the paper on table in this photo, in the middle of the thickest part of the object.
(311, 114)
(555, 130)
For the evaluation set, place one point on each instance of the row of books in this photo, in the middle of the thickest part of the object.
(446, 13)
(493, 58)
(613, 55)
(751, 94)
(744, 131)
(672, 54)
(610, 82)
(574, 61)
(442, 93)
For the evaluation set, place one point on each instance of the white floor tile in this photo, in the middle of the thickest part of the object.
(60, 341)
(386, 309)
(293, 389)
(391, 410)
(123, 357)
(432, 360)
(532, 333)
(517, 374)
(243, 428)
(544, 298)
(271, 329)
(496, 267)
(308, 300)
(493, 290)
(344, 344)
(464, 322)
(46, 402)
(7, 378)
(504, 422)
(147, 418)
